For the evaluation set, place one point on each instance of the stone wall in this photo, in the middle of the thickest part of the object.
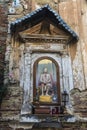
(79, 102)
(3, 36)
(11, 105)
(18, 126)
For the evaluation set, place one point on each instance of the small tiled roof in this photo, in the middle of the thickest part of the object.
(37, 16)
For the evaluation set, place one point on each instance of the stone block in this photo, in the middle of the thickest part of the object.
(13, 99)
(4, 126)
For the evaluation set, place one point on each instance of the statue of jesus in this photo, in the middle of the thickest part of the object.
(46, 79)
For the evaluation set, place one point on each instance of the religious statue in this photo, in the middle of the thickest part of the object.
(45, 81)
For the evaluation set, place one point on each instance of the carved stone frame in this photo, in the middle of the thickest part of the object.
(58, 80)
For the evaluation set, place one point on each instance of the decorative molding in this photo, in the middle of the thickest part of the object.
(44, 39)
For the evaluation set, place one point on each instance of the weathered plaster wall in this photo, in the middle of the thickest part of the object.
(52, 3)
(83, 34)
(77, 20)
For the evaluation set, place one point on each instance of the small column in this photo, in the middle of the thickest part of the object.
(26, 107)
(67, 73)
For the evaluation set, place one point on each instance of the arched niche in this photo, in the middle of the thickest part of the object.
(46, 82)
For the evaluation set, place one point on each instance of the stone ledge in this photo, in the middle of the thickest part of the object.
(10, 125)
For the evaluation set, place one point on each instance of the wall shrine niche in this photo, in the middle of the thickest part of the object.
(44, 64)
